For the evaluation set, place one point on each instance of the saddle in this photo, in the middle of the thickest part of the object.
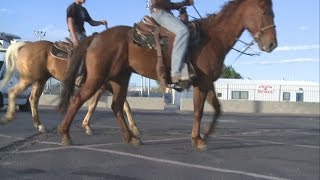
(62, 49)
(149, 34)
(145, 30)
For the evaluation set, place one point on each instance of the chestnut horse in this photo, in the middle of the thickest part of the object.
(35, 66)
(117, 60)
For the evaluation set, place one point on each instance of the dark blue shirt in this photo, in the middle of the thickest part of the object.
(79, 15)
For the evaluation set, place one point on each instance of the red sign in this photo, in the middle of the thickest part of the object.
(267, 89)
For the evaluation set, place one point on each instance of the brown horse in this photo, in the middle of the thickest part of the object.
(35, 65)
(113, 57)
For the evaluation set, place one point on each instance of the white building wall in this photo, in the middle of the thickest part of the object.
(266, 90)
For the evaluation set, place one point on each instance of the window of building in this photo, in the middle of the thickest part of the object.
(299, 97)
(286, 96)
(219, 94)
(240, 95)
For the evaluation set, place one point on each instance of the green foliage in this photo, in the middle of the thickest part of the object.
(230, 73)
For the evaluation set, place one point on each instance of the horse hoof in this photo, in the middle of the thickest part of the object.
(135, 141)
(89, 132)
(135, 130)
(66, 142)
(201, 147)
(199, 144)
(5, 120)
(42, 129)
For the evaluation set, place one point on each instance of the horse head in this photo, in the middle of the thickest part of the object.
(260, 23)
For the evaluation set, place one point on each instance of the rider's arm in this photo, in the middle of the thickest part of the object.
(97, 23)
(93, 22)
(72, 30)
(168, 5)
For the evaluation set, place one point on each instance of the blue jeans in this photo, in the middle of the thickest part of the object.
(180, 45)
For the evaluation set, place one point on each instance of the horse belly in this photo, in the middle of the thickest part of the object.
(142, 61)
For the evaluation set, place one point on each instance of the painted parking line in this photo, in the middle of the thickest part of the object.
(11, 137)
(92, 145)
(302, 132)
(269, 142)
(104, 126)
(159, 160)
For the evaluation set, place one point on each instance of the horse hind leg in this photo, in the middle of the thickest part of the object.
(93, 104)
(126, 108)
(13, 93)
(77, 101)
(213, 101)
(37, 89)
(93, 101)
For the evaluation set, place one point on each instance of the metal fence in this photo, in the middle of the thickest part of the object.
(250, 92)
(133, 90)
(264, 92)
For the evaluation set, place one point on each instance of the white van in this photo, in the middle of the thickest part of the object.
(23, 100)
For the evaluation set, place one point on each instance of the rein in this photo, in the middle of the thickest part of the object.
(194, 7)
(258, 34)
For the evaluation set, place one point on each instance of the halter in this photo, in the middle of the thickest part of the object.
(258, 34)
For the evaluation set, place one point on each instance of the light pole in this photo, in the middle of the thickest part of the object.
(39, 34)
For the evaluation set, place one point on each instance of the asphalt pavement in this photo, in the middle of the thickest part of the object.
(245, 146)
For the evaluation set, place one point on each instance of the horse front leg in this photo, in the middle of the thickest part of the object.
(13, 93)
(126, 108)
(214, 102)
(93, 101)
(37, 89)
(119, 97)
(132, 124)
(198, 105)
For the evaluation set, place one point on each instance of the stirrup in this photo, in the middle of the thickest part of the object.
(79, 80)
(175, 87)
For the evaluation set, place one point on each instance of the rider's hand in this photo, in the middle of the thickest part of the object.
(75, 43)
(188, 2)
(104, 22)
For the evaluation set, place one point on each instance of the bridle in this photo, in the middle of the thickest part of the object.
(258, 34)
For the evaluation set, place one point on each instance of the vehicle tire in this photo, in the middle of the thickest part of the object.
(26, 107)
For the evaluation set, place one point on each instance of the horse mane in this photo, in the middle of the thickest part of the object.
(229, 7)
(226, 11)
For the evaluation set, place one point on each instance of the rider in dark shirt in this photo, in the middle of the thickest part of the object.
(76, 16)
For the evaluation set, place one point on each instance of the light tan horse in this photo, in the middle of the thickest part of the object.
(35, 65)
(117, 60)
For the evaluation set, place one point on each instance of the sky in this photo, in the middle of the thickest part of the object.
(297, 24)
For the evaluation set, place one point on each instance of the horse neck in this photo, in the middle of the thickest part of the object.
(223, 30)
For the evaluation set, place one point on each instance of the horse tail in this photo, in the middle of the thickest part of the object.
(78, 56)
(10, 61)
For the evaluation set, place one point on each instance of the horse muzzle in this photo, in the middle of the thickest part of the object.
(268, 46)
